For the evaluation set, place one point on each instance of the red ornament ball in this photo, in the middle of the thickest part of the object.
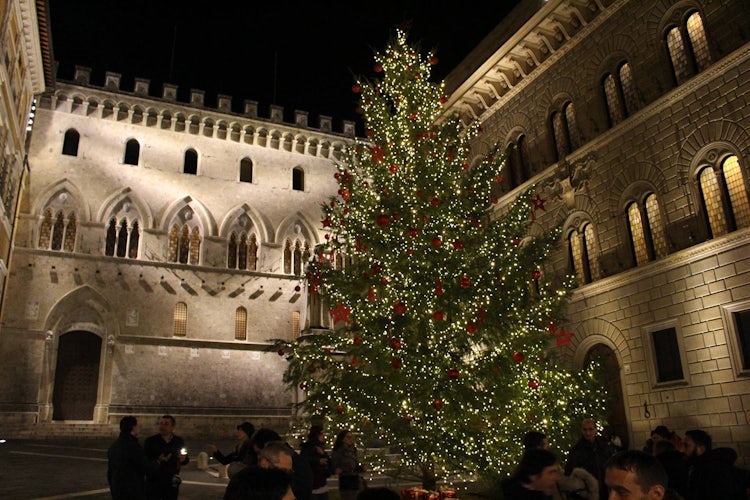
(393, 169)
(434, 60)
(357, 341)
(437, 315)
(471, 327)
(534, 383)
(356, 88)
(399, 307)
(443, 100)
(297, 288)
(302, 386)
(436, 242)
(435, 202)
(340, 409)
(395, 344)
(438, 404)
(518, 357)
(383, 220)
(410, 251)
(396, 363)
(536, 274)
(378, 68)
(413, 232)
(458, 245)
(280, 352)
(453, 373)
(464, 282)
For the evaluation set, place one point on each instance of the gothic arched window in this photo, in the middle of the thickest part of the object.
(688, 49)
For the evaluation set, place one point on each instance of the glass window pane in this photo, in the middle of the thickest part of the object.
(712, 200)
(613, 100)
(667, 352)
(698, 40)
(656, 225)
(677, 55)
(180, 320)
(636, 233)
(628, 89)
(592, 251)
(737, 192)
(240, 324)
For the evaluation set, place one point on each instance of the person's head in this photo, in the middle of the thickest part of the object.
(635, 475)
(380, 493)
(256, 483)
(588, 430)
(343, 438)
(245, 431)
(660, 433)
(263, 436)
(539, 470)
(534, 440)
(166, 425)
(316, 434)
(129, 425)
(697, 442)
(663, 447)
(276, 454)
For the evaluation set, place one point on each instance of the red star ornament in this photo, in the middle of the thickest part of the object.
(378, 154)
(563, 337)
(538, 203)
(341, 313)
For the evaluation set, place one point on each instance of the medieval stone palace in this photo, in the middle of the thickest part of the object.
(158, 245)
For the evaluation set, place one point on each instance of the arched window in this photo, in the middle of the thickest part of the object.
(298, 179)
(191, 162)
(122, 238)
(184, 244)
(70, 142)
(619, 93)
(687, 46)
(518, 166)
(724, 194)
(240, 324)
(246, 170)
(646, 227)
(242, 251)
(565, 130)
(179, 327)
(582, 253)
(58, 232)
(296, 254)
(132, 151)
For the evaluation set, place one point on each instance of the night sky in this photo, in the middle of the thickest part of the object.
(300, 55)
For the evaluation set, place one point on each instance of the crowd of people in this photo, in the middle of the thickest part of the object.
(597, 468)
(263, 466)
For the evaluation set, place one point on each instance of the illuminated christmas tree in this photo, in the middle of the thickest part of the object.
(444, 317)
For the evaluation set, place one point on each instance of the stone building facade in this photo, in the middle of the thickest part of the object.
(160, 247)
(163, 243)
(631, 119)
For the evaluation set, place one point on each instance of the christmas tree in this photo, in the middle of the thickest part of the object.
(442, 309)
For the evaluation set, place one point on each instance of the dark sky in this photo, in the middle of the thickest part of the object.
(300, 55)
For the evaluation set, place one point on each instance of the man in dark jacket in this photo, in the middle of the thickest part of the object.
(169, 449)
(710, 475)
(127, 463)
(590, 453)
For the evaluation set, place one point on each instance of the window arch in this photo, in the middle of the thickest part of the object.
(246, 170)
(296, 253)
(687, 47)
(242, 251)
(70, 142)
(645, 225)
(619, 93)
(298, 179)
(583, 252)
(132, 152)
(190, 165)
(565, 130)
(518, 164)
(240, 323)
(58, 231)
(122, 238)
(179, 325)
(724, 195)
(185, 239)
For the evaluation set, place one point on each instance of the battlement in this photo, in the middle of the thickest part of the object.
(141, 88)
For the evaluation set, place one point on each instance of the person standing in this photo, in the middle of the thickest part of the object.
(314, 451)
(169, 449)
(127, 464)
(345, 463)
(535, 477)
(275, 456)
(591, 453)
(710, 474)
(636, 475)
(243, 454)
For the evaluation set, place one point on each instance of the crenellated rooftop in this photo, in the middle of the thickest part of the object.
(141, 88)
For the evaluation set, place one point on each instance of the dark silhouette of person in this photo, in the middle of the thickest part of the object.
(127, 464)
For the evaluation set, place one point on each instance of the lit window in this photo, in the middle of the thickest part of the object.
(636, 234)
(677, 55)
(738, 197)
(296, 253)
(698, 41)
(614, 105)
(712, 202)
(184, 244)
(628, 89)
(240, 324)
(656, 226)
(688, 48)
(179, 328)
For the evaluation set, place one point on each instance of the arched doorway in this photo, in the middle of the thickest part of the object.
(611, 373)
(76, 376)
